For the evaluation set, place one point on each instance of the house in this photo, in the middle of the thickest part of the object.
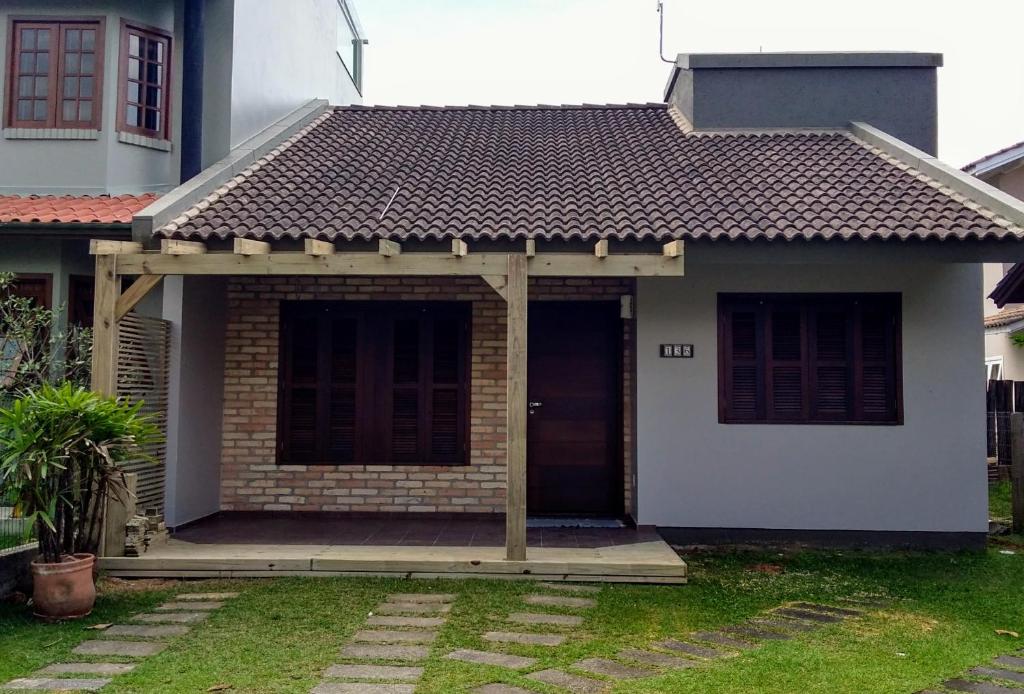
(1003, 359)
(746, 312)
(109, 104)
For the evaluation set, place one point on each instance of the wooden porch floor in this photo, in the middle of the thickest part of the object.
(237, 545)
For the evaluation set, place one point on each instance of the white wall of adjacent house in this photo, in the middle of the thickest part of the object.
(999, 349)
(927, 474)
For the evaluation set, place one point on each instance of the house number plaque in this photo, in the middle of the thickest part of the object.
(676, 351)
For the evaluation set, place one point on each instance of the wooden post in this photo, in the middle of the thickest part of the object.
(1017, 470)
(515, 501)
(104, 330)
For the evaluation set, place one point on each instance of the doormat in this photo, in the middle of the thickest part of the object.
(574, 523)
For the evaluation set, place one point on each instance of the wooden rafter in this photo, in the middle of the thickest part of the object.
(459, 248)
(250, 247)
(179, 247)
(135, 293)
(315, 247)
(498, 284)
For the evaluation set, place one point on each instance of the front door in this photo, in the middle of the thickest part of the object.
(574, 424)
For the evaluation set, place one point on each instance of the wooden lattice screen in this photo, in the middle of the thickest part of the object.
(143, 353)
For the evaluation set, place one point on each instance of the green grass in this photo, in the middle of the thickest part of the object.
(999, 502)
(280, 634)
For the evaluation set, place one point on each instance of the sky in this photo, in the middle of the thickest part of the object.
(456, 52)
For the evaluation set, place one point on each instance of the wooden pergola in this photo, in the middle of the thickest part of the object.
(506, 272)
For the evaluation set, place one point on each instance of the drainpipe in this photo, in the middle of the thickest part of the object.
(192, 91)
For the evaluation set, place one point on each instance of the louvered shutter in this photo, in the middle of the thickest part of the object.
(447, 389)
(741, 335)
(878, 357)
(785, 364)
(406, 351)
(342, 400)
(299, 439)
(830, 363)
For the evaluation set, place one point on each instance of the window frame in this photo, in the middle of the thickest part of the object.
(374, 385)
(149, 32)
(355, 71)
(807, 302)
(57, 24)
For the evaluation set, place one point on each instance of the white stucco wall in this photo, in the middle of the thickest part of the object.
(197, 309)
(925, 475)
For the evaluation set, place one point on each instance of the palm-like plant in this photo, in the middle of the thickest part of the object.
(59, 452)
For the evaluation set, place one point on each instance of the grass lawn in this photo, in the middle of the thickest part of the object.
(280, 634)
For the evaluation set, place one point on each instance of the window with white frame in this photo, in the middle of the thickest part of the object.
(994, 368)
(349, 45)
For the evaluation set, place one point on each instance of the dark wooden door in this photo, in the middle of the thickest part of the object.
(574, 440)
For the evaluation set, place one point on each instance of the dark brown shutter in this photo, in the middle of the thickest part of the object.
(877, 361)
(785, 370)
(299, 385)
(405, 384)
(446, 389)
(831, 363)
(742, 382)
(342, 402)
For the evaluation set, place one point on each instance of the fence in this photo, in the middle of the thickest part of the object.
(142, 374)
(1003, 398)
(14, 531)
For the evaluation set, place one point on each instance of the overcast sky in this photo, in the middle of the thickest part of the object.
(445, 52)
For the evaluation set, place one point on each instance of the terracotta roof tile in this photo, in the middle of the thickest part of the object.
(72, 209)
(1006, 316)
(584, 172)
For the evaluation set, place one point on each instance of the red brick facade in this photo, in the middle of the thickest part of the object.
(252, 481)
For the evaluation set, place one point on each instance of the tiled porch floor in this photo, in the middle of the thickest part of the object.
(335, 529)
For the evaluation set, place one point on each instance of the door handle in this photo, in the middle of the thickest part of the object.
(535, 404)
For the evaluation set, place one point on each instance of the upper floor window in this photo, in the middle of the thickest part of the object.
(144, 94)
(55, 74)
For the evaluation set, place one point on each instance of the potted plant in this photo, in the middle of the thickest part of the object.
(59, 452)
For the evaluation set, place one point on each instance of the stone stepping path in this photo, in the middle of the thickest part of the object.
(523, 638)
(401, 633)
(513, 662)
(499, 688)
(1004, 676)
(656, 659)
(563, 620)
(166, 621)
(572, 683)
(611, 668)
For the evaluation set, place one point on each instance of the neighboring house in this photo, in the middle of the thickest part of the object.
(109, 103)
(1003, 359)
(808, 371)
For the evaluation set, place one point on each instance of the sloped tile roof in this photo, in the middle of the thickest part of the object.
(72, 209)
(582, 172)
(1006, 316)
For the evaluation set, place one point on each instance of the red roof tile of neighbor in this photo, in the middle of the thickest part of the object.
(1006, 316)
(575, 172)
(72, 209)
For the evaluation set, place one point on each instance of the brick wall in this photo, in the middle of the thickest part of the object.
(252, 481)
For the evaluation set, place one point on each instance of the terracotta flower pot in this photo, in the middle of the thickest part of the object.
(65, 590)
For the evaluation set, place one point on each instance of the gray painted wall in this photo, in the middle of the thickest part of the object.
(197, 309)
(899, 100)
(926, 475)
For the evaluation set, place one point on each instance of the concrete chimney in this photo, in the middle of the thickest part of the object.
(894, 92)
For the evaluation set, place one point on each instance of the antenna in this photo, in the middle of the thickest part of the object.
(661, 33)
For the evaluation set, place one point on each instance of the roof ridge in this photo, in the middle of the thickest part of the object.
(497, 107)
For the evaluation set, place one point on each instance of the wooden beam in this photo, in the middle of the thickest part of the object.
(105, 247)
(498, 284)
(389, 249)
(601, 249)
(459, 248)
(179, 247)
(250, 247)
(315, 247)
(672, 249)
(135, 293)
(515, 448)
(104, 328)
(531, 248)
(412, 264)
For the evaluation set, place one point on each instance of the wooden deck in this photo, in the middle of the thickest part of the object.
(626, 555)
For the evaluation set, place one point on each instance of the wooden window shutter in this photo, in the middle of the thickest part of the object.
(742, 338)
(407, 357)
(300, 439)
(447, 389)
(342, 385)
(785, 363)
(830, 363)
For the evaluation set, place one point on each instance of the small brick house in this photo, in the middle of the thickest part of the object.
(487, 311)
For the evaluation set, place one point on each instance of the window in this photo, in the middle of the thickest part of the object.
(144, 93)
(81, 291)
(37, 288)
(55, 74)
(803, 358)
(373, 383)
(349, 45)
(993, 368)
